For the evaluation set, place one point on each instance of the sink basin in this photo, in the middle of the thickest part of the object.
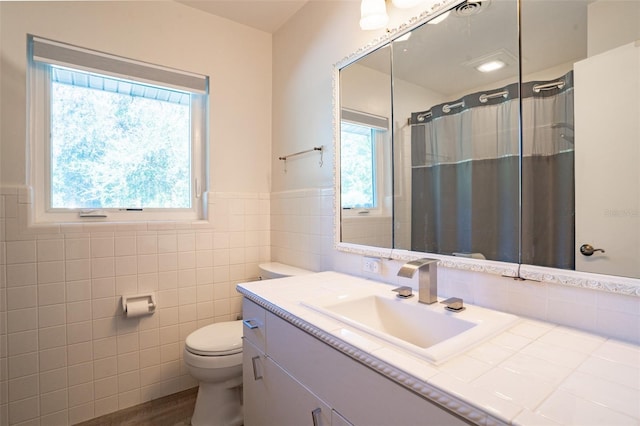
(428, 331)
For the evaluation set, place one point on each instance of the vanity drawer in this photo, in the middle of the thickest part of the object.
(254, 323)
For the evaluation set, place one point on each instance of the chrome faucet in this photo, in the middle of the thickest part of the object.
(427, 278)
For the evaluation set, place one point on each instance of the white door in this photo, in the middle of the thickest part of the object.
(607, 161)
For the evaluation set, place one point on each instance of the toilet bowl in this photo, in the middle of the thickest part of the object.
(213, 355)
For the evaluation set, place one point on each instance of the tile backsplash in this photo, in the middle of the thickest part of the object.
(67, 352)
(302, 228)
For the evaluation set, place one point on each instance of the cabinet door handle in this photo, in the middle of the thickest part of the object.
(315, 416)
(250, 323)
(255, 368)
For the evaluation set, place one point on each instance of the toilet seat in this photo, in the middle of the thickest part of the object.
(219, 339)
(211, 363)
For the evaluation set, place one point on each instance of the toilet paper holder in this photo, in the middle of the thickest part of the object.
(134, 305)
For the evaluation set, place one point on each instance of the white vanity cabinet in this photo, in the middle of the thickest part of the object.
(271, 395)
(300, 373)
(253, 384)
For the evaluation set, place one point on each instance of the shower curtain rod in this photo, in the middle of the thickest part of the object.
(423, 116)
(484, 97)
(559, 84)
(446, 108)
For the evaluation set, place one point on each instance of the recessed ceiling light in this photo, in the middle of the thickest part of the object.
(490, 66)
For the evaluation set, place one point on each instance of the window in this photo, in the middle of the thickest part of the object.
(357, 165)
(115, 137)
(361, 146)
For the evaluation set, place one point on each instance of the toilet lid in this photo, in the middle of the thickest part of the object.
(222, 338)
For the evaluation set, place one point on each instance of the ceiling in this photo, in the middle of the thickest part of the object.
(265, 15)
(442, 57)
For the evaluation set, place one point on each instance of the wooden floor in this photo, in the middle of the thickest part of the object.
(172, 410)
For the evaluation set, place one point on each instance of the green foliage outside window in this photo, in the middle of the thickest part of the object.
(111, 150)
(357, 165)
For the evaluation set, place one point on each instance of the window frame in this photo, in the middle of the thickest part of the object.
(380, 134)
(39, 95)
(373, 138)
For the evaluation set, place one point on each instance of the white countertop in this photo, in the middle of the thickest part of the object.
(534, 373)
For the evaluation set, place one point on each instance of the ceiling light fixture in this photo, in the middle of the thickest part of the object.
(490, 66)
(492, 61)
(373, 14)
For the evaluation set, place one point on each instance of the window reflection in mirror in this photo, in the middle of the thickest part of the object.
(365, 151)
(357, 160)
(456, 140)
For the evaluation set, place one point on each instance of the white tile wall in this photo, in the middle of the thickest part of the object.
(66, 352)
(368, 230)
(302, 228)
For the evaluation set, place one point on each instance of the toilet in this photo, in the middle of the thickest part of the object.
(213, 355)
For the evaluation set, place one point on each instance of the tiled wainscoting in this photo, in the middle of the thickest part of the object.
(302, 228)
(368, 230)
(67, 352)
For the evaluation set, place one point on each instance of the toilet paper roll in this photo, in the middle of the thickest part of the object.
(136, 308)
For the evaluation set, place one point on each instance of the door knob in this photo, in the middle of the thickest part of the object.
(588, 250)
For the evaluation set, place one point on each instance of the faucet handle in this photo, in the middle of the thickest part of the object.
(404, 292)
(454, 304)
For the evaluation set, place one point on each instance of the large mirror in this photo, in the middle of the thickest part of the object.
(544, 172)
(456, 140)
(581, 152)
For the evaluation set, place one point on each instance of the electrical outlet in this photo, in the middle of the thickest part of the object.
(372, 265)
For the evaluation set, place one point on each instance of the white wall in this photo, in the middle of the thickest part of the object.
(66, 352)
(604, 15)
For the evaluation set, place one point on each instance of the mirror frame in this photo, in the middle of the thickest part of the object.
(570, 278)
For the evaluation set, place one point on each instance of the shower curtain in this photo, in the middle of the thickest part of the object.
(466, 175)
(548, 185)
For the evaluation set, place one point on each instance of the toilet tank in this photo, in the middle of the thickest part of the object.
(279, 270)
